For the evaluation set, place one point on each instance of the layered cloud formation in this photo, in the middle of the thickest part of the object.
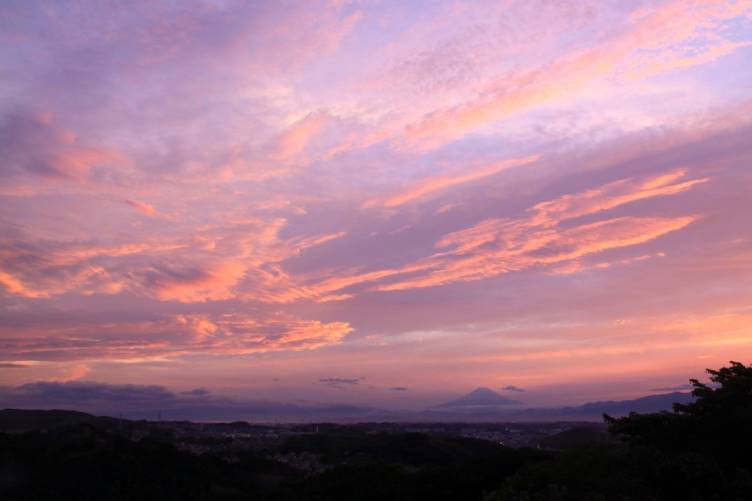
(432, 196)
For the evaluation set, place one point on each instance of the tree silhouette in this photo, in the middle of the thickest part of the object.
(699, 452)
(717, 424)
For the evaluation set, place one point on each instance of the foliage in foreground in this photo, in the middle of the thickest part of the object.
(701, 451)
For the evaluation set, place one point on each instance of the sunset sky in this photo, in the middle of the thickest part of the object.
(377, 203)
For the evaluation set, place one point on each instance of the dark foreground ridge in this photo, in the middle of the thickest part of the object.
(698, 451)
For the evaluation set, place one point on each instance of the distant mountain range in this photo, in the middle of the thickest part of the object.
(479, 397)
(593, 411)
(651, 403)
(481, 404)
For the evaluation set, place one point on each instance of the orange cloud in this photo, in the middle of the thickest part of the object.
(542, 249)
(497, 246)
(661, 33)
(196, 285)
(238, 334)
(293, 142)
(88, 279)
(432, 185)
(577, 266)
(245, 260)
(612, 195)
(142, 207)
(74, 373)
(239, 260)
(76, 161)
(170, 337)
(15, 286)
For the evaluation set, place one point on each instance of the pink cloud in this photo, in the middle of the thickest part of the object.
(498, 246)
(431, 185)
(538, 249)
(170, 337)
(142, 207)
(75, 373)
(206, 266)
(37, 145)
(292, 142)
(660, 33)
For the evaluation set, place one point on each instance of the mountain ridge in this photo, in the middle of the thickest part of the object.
(474, 411)
(480, 396)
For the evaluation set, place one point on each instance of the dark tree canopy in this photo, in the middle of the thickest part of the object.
(698, 452)
(729, 397)
(718, 423)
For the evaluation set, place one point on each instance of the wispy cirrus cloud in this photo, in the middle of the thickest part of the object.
(212, 265)
(431, 185)
(643, 41)
(142, 207)
(169, 337)
(539, 239)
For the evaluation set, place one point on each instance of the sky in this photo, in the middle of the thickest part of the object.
(373, 203)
